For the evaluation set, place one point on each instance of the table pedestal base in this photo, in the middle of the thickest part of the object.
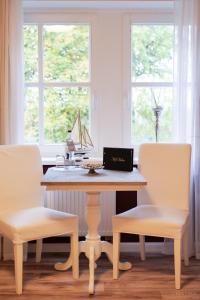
(93, 246)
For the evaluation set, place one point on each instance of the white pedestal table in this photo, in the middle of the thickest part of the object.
(78, 179)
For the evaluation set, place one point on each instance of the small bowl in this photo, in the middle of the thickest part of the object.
(92, 165)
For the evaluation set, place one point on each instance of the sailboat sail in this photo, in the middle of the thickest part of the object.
(80, 135)
(86, 140)
(76, 131)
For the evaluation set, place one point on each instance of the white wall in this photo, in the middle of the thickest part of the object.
(107, 79)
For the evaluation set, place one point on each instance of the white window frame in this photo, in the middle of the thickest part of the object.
(42, 19)
(160, 17)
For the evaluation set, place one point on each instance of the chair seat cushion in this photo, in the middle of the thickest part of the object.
(152, 220)
(36, 223)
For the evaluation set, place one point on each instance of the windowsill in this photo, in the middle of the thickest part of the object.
(47, 161)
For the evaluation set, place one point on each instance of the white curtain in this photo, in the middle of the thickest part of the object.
(11, 80)
(187, 96)
(11, 72)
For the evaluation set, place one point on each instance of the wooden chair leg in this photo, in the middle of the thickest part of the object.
(177, 262)
(75, 255)
(18, 259)
(116, 243)
(38, 250)
(25, 251)
(142, 247)
(1, 247)
(185, 248)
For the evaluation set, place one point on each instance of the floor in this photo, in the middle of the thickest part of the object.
(149, 280)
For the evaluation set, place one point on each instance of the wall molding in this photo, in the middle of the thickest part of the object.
(125, 247)
(65, 247)
(165, 248)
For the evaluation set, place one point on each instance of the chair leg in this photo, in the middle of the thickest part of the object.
(116, 243)
(142, 247)
(177, 262)
(38, 250)
(25, 251)
(18, 258)
(1, 247)
(185, 248)
(75, 255)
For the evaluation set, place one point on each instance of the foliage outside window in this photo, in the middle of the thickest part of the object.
(152, 81)
(57, 75)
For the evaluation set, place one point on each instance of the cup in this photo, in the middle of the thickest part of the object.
(60, 161)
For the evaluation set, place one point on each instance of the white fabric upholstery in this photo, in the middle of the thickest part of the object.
(159, 221)
(167, 170)
(35, 223)
(22, 215)
(163, 205)
(20, 177)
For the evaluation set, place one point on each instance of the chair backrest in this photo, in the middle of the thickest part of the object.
(20, 176)
(166, 167)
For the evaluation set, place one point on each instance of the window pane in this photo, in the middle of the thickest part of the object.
(31, 116)
(31, 52)
(152, 53)
(143, 118)
(66, 53)
(60, 109)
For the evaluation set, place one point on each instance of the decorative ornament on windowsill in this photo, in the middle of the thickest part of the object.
(157, 109)
(78, 144)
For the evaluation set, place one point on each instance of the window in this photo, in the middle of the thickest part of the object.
(90, 59)
(57, 80)
(151, 82)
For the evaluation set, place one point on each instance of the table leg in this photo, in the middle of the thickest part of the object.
(108, 249)
(65, 265)
(93, 246)
(91, 268)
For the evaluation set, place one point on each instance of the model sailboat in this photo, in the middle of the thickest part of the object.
(80, 136)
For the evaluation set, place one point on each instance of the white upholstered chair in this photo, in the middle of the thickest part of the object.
(163, 205)
(22, 215)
